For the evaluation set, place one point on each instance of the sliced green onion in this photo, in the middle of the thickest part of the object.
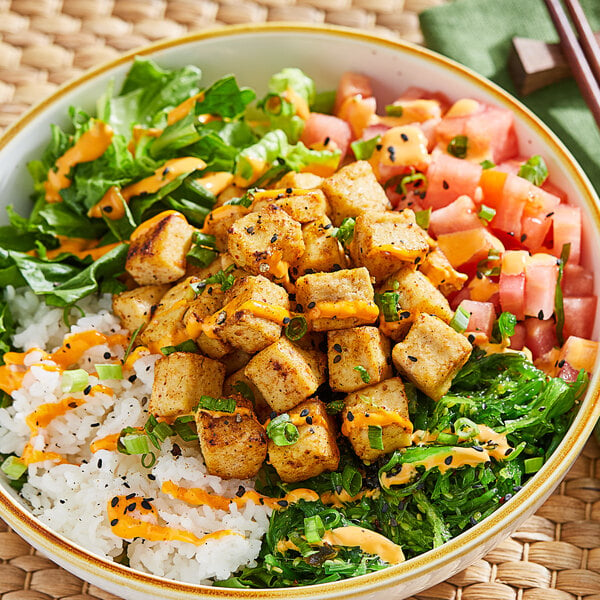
(224, 278)
(314, 530)
(465, 428)
(148, 460)
(227, 405)
(246, 200)
(282, 431)
(516, 451)
(351, 480)
(184, 429)
(447, 439)
(534, 170)
(487, 164)
(162, 431)
(135, 443)
(296, 328)
(376, 437)
(363, 149)
(486, 213)
(460, 320)
(242, 388)
(334, 407)
(204, 250)
(131, 341)
(364, 374)
(533, 465)
(187, 346)
(345, 232)
(408, 179)
(74, 381)
(388, 304)
(394, 110)
(559, 309)
(109, 371)
(458, 146)
(13, 467)
(506, 325)
(422, 218)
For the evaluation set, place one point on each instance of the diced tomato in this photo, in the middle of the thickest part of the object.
(511, 166)
(540, 336)
(549, 187)
(352, 84)
(517, 341)
(489, 130)
(482, 316)
(458, 297)
(537, 217)
(511, 206)
(566, 229)
(359, 112)
(457, 216)
(580, 314)
(448, 178)
(492, 186)
(324, 131)
(373, 131)
(468, 247)
(579, 353)
(514, 262)
(577, 281)
(541, 273)
(512, 294)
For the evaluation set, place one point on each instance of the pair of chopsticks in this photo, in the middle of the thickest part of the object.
(583, 54)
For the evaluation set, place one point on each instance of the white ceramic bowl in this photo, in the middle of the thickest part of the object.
(253, 53)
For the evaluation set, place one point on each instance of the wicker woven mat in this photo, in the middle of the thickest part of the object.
(555, 555)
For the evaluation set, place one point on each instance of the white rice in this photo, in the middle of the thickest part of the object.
(73, 499)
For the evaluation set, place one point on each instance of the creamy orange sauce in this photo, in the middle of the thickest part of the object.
(368, 541)
(482, 289)
(125, 525)
(10, 379)
(216, 182)
(182, 110)
(31, 456)
(108, 442)
(263, 310)
(345, 309)
(111, 205)
(400, 253)
(258, 166)
(81, 248)
(91, 145)
(377, 416)
(413, 111)
(138, 133)
(408, 148)
(134, 355)
(148, 224)
(44, 414)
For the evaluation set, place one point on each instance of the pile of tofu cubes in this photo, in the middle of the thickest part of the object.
(285, 259)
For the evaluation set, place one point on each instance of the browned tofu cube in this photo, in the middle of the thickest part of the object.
(166, 328)
(219, 221)
(315, 451)
(236, 360)
(354, 190)
(441, 273)
(136, 307)
(416, 294)
(266, 242)
(241, 325)
(322, 251)
(364, 347)
(303, 181)
(233, 446)
(337, 300)
(157, 254)
(384, 405)
(431, 355)
(180, 379)
(238, 383)
(286, 374)
(302, 205)
(387, 241)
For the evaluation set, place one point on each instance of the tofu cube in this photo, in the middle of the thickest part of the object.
(338, 300)
(302, 205)
(387, 241)
(233, 446)
(431, 355)
(364, 347)
(316, 450)
(304, 181)
(166, 328)
(180, 379)
(437, 268)
(416, 294)
(157, 254)
(219, 221)
(136, 307)
(322, 251)
(286, 374)
(354, 190)
(238, 383)
(383, 404)
(242, 328)
(266, 242)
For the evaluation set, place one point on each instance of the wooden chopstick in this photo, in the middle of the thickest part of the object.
(576, 58)
(587, 39)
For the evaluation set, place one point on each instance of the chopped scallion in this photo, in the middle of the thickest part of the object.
(148, 460)
(74, 381)
(363, 149)
(187, 346)
(184, 429)
(376, 437)
(534, 170)
(109, 371)
(131, 341)
(447, 439)
(244, 389)
(458, 146)
(505, 325)
(394, 110)
(465, 428)
(388, 304)
(364, 374)
(296, 328)
(412, 178)
(135, 443)
(533, 465)
(313, 529)
(204, 250)
(351, 480)
(487, 164)
(334, 407)
(345, 232)
(422, 218)
(282, 431)
(13, 467)
(460, 320)
(227, 405)
(486, 213)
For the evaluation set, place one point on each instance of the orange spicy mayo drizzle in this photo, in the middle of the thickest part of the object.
(124, 525)
(44, 414)
(31, 456)
(396, 252)
(344, 309)
(91, 145)
(378, 416)
(368, 541)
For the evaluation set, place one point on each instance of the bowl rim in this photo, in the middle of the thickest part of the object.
(439, 558)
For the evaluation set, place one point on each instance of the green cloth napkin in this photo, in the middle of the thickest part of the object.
(478, 34)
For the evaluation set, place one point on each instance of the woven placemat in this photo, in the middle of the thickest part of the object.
(43, 43)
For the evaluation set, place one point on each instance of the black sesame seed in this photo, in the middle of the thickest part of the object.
(561, 363)
(166, 171)
(337, 347)
(337, 267)
(511, 233)
(309, 420)
(132, 378)
(328, 226)
(350, 416)
(404, 314)
(448, 460)
(392, 153)
(127, 485)
(272, 415)
(412, 358)
(288, 190)
(549, 214)
(471, 338)
(114, 522)
(95, 425)
(107, 209)
(282, 503)
(473, 520)
(99, 463)
(286, 320)
(131, 507)
(445, 184)
(299, 308)
(151, 477)
(523, 237)
(311, 304)
(250, 230)
(240, 491)
(71, 405)
(274, 238)
(417, 260)
(114, 501)
(107, 355)
(337, 358)
(87, 390)
(326, 141)
(129, 496)
(478, 448)
(404, 137)
(541, 315)
(62, 501)
(146, 505)
(379, 146)
(304, 412)
(176, 450)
